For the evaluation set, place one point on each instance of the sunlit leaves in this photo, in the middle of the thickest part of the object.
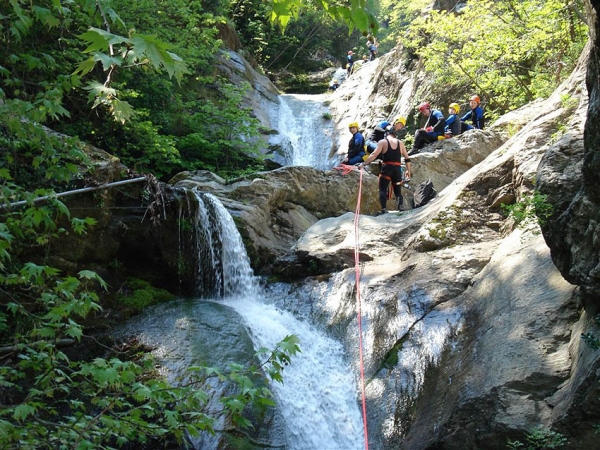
(111, 51)
(100, 40)
(361, 14)
(508, 52)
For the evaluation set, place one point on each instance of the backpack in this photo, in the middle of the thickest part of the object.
(424, 192)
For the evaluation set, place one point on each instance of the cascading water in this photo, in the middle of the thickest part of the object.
(305, 131)
(318, 399)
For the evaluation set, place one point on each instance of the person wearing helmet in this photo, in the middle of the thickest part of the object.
(376, 135)
(350, 62)
(334, 85)
(475, 115)
(433, 128)
(392, 151)
(399, 125)
(356, 146)
(453, 122)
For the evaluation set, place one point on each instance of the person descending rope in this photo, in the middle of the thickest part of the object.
(392, 150)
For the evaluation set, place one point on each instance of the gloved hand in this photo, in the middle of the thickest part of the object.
(429, 129)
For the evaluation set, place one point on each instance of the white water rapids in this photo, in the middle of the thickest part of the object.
(305, 131)
(318, 397)
(317, 404)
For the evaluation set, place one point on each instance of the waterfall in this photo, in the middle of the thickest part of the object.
(305, 131)
(220, 269)
(318, 398)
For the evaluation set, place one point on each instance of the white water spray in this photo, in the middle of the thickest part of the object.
(306, 131)
(318, 399)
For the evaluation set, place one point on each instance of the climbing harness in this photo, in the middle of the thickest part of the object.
(346, 169)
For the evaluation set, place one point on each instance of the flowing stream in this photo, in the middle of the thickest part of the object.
(318, 400)
(305, 131)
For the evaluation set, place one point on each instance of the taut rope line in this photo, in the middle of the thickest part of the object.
(346, 169)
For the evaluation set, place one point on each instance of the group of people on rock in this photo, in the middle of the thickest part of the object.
(383, 143)
(439, 127)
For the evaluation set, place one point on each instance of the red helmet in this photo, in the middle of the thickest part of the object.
(424, 105)
(350, 52)
(475, 98)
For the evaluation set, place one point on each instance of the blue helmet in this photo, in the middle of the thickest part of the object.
(383, 124)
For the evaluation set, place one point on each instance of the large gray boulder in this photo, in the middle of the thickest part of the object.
(273, 209)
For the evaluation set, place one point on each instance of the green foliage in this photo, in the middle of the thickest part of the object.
(509, 53)
(223, 136)
(568, 102)
(304, 46)
(591, 339)
(126, 65)
(49, 396)
(138, 294)
(540, 438)
(533, 207)
(360, 14)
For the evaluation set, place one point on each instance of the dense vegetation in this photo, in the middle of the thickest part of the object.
(138, 79)
(76, 67)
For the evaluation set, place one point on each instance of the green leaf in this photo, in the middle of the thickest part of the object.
(90, 275)
(85, 66)
(121, 111)
(99, 40)
(5, 174)
(106, 60)
(22, 411)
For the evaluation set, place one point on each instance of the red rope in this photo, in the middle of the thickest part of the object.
(346, 169)
(357, 276)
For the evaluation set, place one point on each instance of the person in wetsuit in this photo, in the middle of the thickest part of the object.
(392, 150)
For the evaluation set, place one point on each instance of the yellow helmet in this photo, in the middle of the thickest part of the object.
(399, 119)
(353, 124)
(455, 106)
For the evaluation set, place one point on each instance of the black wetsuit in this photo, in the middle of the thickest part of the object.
(391, 171)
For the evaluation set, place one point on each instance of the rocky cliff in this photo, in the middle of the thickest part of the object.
(492, 310)
(473, 297)
(473, 321)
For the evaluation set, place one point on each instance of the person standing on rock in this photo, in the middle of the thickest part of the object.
(392, 150)
(372, 46)
(356, 146)
(350, 62)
